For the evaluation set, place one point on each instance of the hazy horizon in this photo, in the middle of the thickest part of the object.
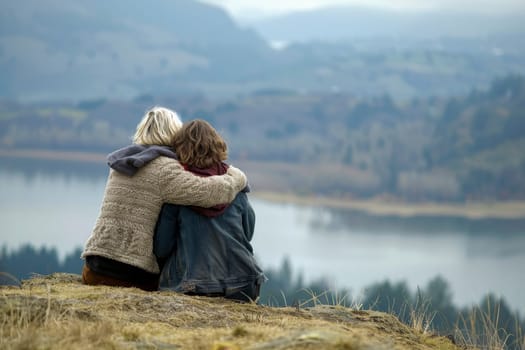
(252, 10)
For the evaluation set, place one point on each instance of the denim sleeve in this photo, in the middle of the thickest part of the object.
(165, 240)
(248, 219)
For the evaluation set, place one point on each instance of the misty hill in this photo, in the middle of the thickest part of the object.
(353, 22)
(58, 50)
(119, 48)
(57, 311)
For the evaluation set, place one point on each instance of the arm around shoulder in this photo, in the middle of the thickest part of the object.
(182, 187)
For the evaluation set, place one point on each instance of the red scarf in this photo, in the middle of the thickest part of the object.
(217, 169)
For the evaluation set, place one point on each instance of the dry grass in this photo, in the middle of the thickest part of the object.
(484, 330)
(421, 315)
(58, 312)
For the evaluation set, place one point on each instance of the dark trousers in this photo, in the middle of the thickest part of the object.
(92, 278)
(248, 294)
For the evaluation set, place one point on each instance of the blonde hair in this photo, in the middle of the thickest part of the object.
(158, 127)
(198, 144)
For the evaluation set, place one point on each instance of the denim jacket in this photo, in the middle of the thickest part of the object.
(207, 255)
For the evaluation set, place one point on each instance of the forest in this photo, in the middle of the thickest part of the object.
(430, 305)
(451, 149)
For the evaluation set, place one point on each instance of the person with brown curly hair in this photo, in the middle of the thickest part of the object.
(207, 251)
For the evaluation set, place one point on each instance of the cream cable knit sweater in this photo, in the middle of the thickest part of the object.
(131, 205)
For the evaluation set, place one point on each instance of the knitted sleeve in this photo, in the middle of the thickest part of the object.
(178, 186)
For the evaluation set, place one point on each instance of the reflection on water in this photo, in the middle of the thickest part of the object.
(30, 169)
(334, 220)
(56, 204)
(48, 209)
(340, 245)
(493, 237)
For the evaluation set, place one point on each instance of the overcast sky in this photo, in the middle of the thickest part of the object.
(252, 9)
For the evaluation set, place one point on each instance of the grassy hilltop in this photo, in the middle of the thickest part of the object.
(59, 312)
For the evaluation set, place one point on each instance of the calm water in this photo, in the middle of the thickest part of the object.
(56, 206)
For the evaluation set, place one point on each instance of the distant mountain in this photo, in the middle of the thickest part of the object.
(349, 22)
(119, 47)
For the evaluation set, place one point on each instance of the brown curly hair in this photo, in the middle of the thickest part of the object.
(198, 144)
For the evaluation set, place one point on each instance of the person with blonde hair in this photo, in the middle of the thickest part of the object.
(142, 177)
(207, 251)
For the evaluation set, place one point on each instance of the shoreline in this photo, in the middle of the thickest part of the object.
(508, 210)
(70, 156)
(379, 207)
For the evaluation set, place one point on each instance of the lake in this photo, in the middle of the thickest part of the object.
(56, 204)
